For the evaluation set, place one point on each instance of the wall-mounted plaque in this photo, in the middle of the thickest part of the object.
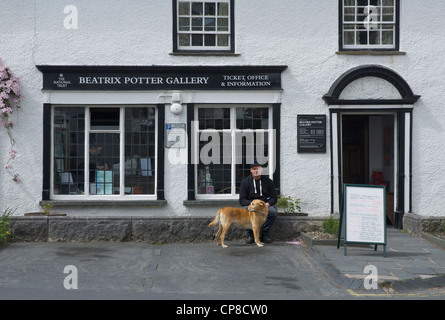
(311, 133)
(175, 135)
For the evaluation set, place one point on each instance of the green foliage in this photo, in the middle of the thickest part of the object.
(47, 207)
(6, 233)
(330, 226)
(289, 204)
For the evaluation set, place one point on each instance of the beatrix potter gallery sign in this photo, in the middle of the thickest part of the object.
(161, 77)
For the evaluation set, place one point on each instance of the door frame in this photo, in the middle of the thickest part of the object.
(402, 106)
(402, 154)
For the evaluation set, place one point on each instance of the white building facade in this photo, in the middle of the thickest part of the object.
(167, 102)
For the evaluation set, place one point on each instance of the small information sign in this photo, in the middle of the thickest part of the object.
(176, 135)
(311, 134)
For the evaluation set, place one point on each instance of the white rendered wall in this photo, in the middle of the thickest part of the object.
(298, 33)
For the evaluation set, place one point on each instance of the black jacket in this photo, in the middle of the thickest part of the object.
(247, 191)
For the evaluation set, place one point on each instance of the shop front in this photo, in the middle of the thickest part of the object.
(164, 136)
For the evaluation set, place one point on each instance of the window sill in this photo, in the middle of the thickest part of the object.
(371, 53)
(212, 202)
(105, 203)
(205, 53)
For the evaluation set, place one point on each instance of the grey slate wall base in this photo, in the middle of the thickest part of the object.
(145, 229)
(417, 225)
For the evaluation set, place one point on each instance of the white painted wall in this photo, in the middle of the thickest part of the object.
(298, 33)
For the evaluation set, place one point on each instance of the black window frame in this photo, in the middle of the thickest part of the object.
(376, 49)
(231, 48)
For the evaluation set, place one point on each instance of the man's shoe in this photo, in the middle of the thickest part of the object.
(249, 240)
(266, 239)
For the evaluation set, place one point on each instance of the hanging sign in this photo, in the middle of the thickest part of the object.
(364, 215)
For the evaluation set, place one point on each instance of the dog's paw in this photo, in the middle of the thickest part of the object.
(225, 246)
(260, 244)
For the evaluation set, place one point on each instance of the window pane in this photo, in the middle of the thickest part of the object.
(184, 39)
(140, 146)
(210, 24)
(348, 38)
(210, 9)
(197, 8)
(104, 119)
(223, 9)
(104, 162)
(210, 40)
(197, 40)
(214, 179)
(184, 24)
(223, 24)
(184, 8)
(215, 157)
(197, 24)
(374, 37)
(223, 40)
(69, 151)
(387, 37)
(214, 118)
(252, 118)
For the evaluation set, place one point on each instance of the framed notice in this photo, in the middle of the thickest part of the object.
(311, 134)
(364, 215)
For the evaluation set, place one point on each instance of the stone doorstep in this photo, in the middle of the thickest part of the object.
(144, 229)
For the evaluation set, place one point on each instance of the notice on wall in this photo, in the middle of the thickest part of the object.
(365, 218)
(176, 135)
(311, 133)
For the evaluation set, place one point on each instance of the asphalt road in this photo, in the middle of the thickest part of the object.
(182, 272)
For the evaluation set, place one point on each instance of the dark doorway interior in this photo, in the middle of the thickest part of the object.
(368, 153)
(355, 149)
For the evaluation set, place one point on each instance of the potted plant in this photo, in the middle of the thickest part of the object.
(290, 205)
(328, 235)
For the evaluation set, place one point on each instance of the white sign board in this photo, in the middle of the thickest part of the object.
(176, 135)
(365, 217)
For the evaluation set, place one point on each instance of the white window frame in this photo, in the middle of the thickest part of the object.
(379, 22)
(87, 196)
(203, 32)
(233, 130)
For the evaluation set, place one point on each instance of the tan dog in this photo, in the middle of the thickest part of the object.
(254, 217)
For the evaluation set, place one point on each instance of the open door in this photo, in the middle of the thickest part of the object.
(368, 148)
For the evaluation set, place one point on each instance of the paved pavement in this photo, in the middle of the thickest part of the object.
(411, 263)
(196, 271)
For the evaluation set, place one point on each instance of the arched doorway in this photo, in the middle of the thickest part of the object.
(371, 109)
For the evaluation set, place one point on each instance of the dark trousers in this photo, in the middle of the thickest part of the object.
(265, 229)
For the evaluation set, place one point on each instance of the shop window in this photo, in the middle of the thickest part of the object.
(229, 140)
(369, 24)
(203, 25)
(118, 144)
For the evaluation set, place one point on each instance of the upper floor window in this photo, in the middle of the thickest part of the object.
(205, 25)
(369, 24)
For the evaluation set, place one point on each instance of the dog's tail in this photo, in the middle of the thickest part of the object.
(216, 220)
